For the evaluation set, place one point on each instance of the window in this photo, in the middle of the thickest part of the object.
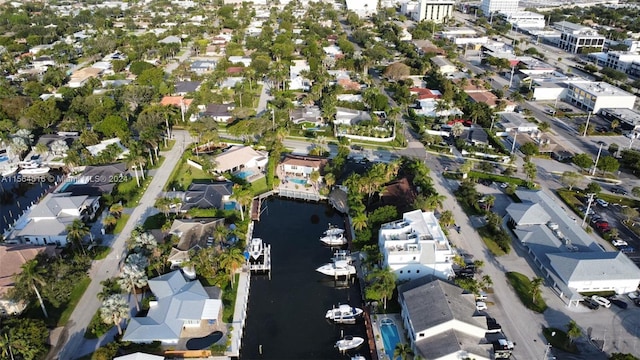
(400, 271)
(417, 271)
(408, 271)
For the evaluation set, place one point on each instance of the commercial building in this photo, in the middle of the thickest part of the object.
(433, 10)
(621, 60)
(416, 246)
(577, 39)
(489, 7)
(593, 96)
(629, 119)
(525, 20)
(571, 261)
(362, 8)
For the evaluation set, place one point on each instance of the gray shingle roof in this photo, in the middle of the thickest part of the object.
(593, 266)
(450, 342)
(207, 196)
(526, 213)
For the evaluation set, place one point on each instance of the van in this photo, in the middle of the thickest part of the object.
(601, 301)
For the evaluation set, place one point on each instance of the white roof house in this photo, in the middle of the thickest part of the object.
(179, 304)
(46, 223)
(416, 246)
(95, 150)
(238, 157)
(296, 80)
(571, 260)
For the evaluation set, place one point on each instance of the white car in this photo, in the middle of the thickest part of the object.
(602, 301)
(602, 203)
(618, 242)
(481, 305)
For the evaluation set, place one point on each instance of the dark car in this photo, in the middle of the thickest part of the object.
(619, 303)
(590, 303)
(618, 190)
(637, 302)
(627, 249)
(566, 109)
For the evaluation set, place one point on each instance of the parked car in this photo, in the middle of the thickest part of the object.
(619, 303)
(595, 218)
(632, 295)
(603, 226)
(481, 305)
(602, 203)
(618, 190)
(589, 212)
(619, 242)
(590, 303)
(637, 302)
(601, 301)
(627, 249)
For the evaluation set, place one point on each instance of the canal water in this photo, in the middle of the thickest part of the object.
(286, 315)
(16, 195)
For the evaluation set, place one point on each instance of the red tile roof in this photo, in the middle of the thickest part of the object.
(424, 93)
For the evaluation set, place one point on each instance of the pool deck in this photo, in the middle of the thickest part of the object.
(397, 319)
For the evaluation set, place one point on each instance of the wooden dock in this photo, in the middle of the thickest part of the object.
(256, 205)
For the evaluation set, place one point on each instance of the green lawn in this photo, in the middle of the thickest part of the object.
(559, 340)
(229, 301)
(74, 298)
(122, 221)
(522, 286)
(183, 175)
(154, 222)
(130, 193)
(169, 146)
(490, 243)
(99, 252)
(259, 186)
(497, 178)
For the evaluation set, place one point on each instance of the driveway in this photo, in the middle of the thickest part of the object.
(75, 345)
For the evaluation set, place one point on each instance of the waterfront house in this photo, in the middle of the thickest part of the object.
(193, 235)
(12, 257)
(178, 304)
(570, 259)
(96, 180)
(345, 116)
(46, 223)
(416, 246)
(238, 157)
(301, 166)
(95, 150)
(442, 321)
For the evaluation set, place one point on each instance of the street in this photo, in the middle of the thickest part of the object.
(73, 338)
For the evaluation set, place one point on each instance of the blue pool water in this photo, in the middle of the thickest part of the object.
(390, 336)
(66, 185)
(298, 181)
(4, 158)
(244, 174)
(230, 205)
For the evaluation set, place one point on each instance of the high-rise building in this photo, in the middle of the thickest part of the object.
(433, 10)
(489, 7)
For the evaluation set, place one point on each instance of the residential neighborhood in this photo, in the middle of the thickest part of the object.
(441, 179)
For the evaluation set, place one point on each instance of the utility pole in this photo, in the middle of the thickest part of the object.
(586, 127)
(513, 69)
(513, 146)
(586, 213)
(547, 348)
(595, 166)
(633, 137)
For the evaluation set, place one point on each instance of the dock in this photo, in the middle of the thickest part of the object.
(256, 205)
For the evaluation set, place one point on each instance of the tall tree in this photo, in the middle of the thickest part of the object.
(30, 278)
(231, 260)
(132, 277)
(402, 351)
(243, 196)
(114, 309)
(536, 284)
(573, 331)
(381, 284)
(571, 179)
(76, 231)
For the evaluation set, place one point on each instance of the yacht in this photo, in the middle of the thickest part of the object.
(29, 164)
(342, 255)
(35, 171)
(349, 342)
(334, 240)
(256, 248)
(344, 313)
(337, 268)
(333, 230)
(258, 255)
(358, 357)
(8, 170)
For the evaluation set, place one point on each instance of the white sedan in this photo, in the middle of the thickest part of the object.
(618, 242)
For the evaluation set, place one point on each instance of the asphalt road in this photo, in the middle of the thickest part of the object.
(73, 339)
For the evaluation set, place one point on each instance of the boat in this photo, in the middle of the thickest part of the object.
(333, 230)
(8, 170)
(29, 164)
(334, 240)
(256, 248)
(342, 255)
(34, 171)
(358, 357)
(337, 268)
(349, 342)
(344, 313)
(258, 255)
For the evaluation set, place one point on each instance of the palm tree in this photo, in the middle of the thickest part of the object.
(402, 351)
(116, 209)
(573, 331)
(243, 197)
(76, 231)
(360, 221)
(457, 129)
(489, 200)
(114, 309)
(41, 149)
(109, 287)
(434, 201)
(131, 278)
(164, 204)
(31, 277)
(330, 180)
(5, 347)
(382, 283)
(446, 218)
(486, 282)
(142, 242)
(220, 233)
(230, 261)
(536, 283)
(109, 221)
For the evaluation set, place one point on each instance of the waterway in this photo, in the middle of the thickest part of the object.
(286, 315)
(16, 195)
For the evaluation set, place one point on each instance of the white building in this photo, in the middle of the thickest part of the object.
(443, 65)
(571, 261)
(621, 60)
(593, 96)
(416, 246)
(362, 8)
(489, 7)
(296, 80)
(576, 38)
(433, 10)
(526, 20)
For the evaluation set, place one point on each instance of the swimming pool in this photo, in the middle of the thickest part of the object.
(298, 181)
(244, 174)
(390, 336)
(4, 158)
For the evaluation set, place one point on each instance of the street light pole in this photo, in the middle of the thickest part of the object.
(586, 127)
(633, 137)
(586, 213)
(513, 69)
(513, 146)
(595, 166)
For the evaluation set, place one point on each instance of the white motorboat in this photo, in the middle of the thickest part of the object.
(8, 170)
(256, 248)
(342, 255)
(343, 312)
(333, 230)
(349, 342)
(35, 171)
(358, 357)
(29, 164)
(334, 240)
(337, 268)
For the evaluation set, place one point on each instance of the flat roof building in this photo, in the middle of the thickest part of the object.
(433, 10)
(489, 7)
(593, 96)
